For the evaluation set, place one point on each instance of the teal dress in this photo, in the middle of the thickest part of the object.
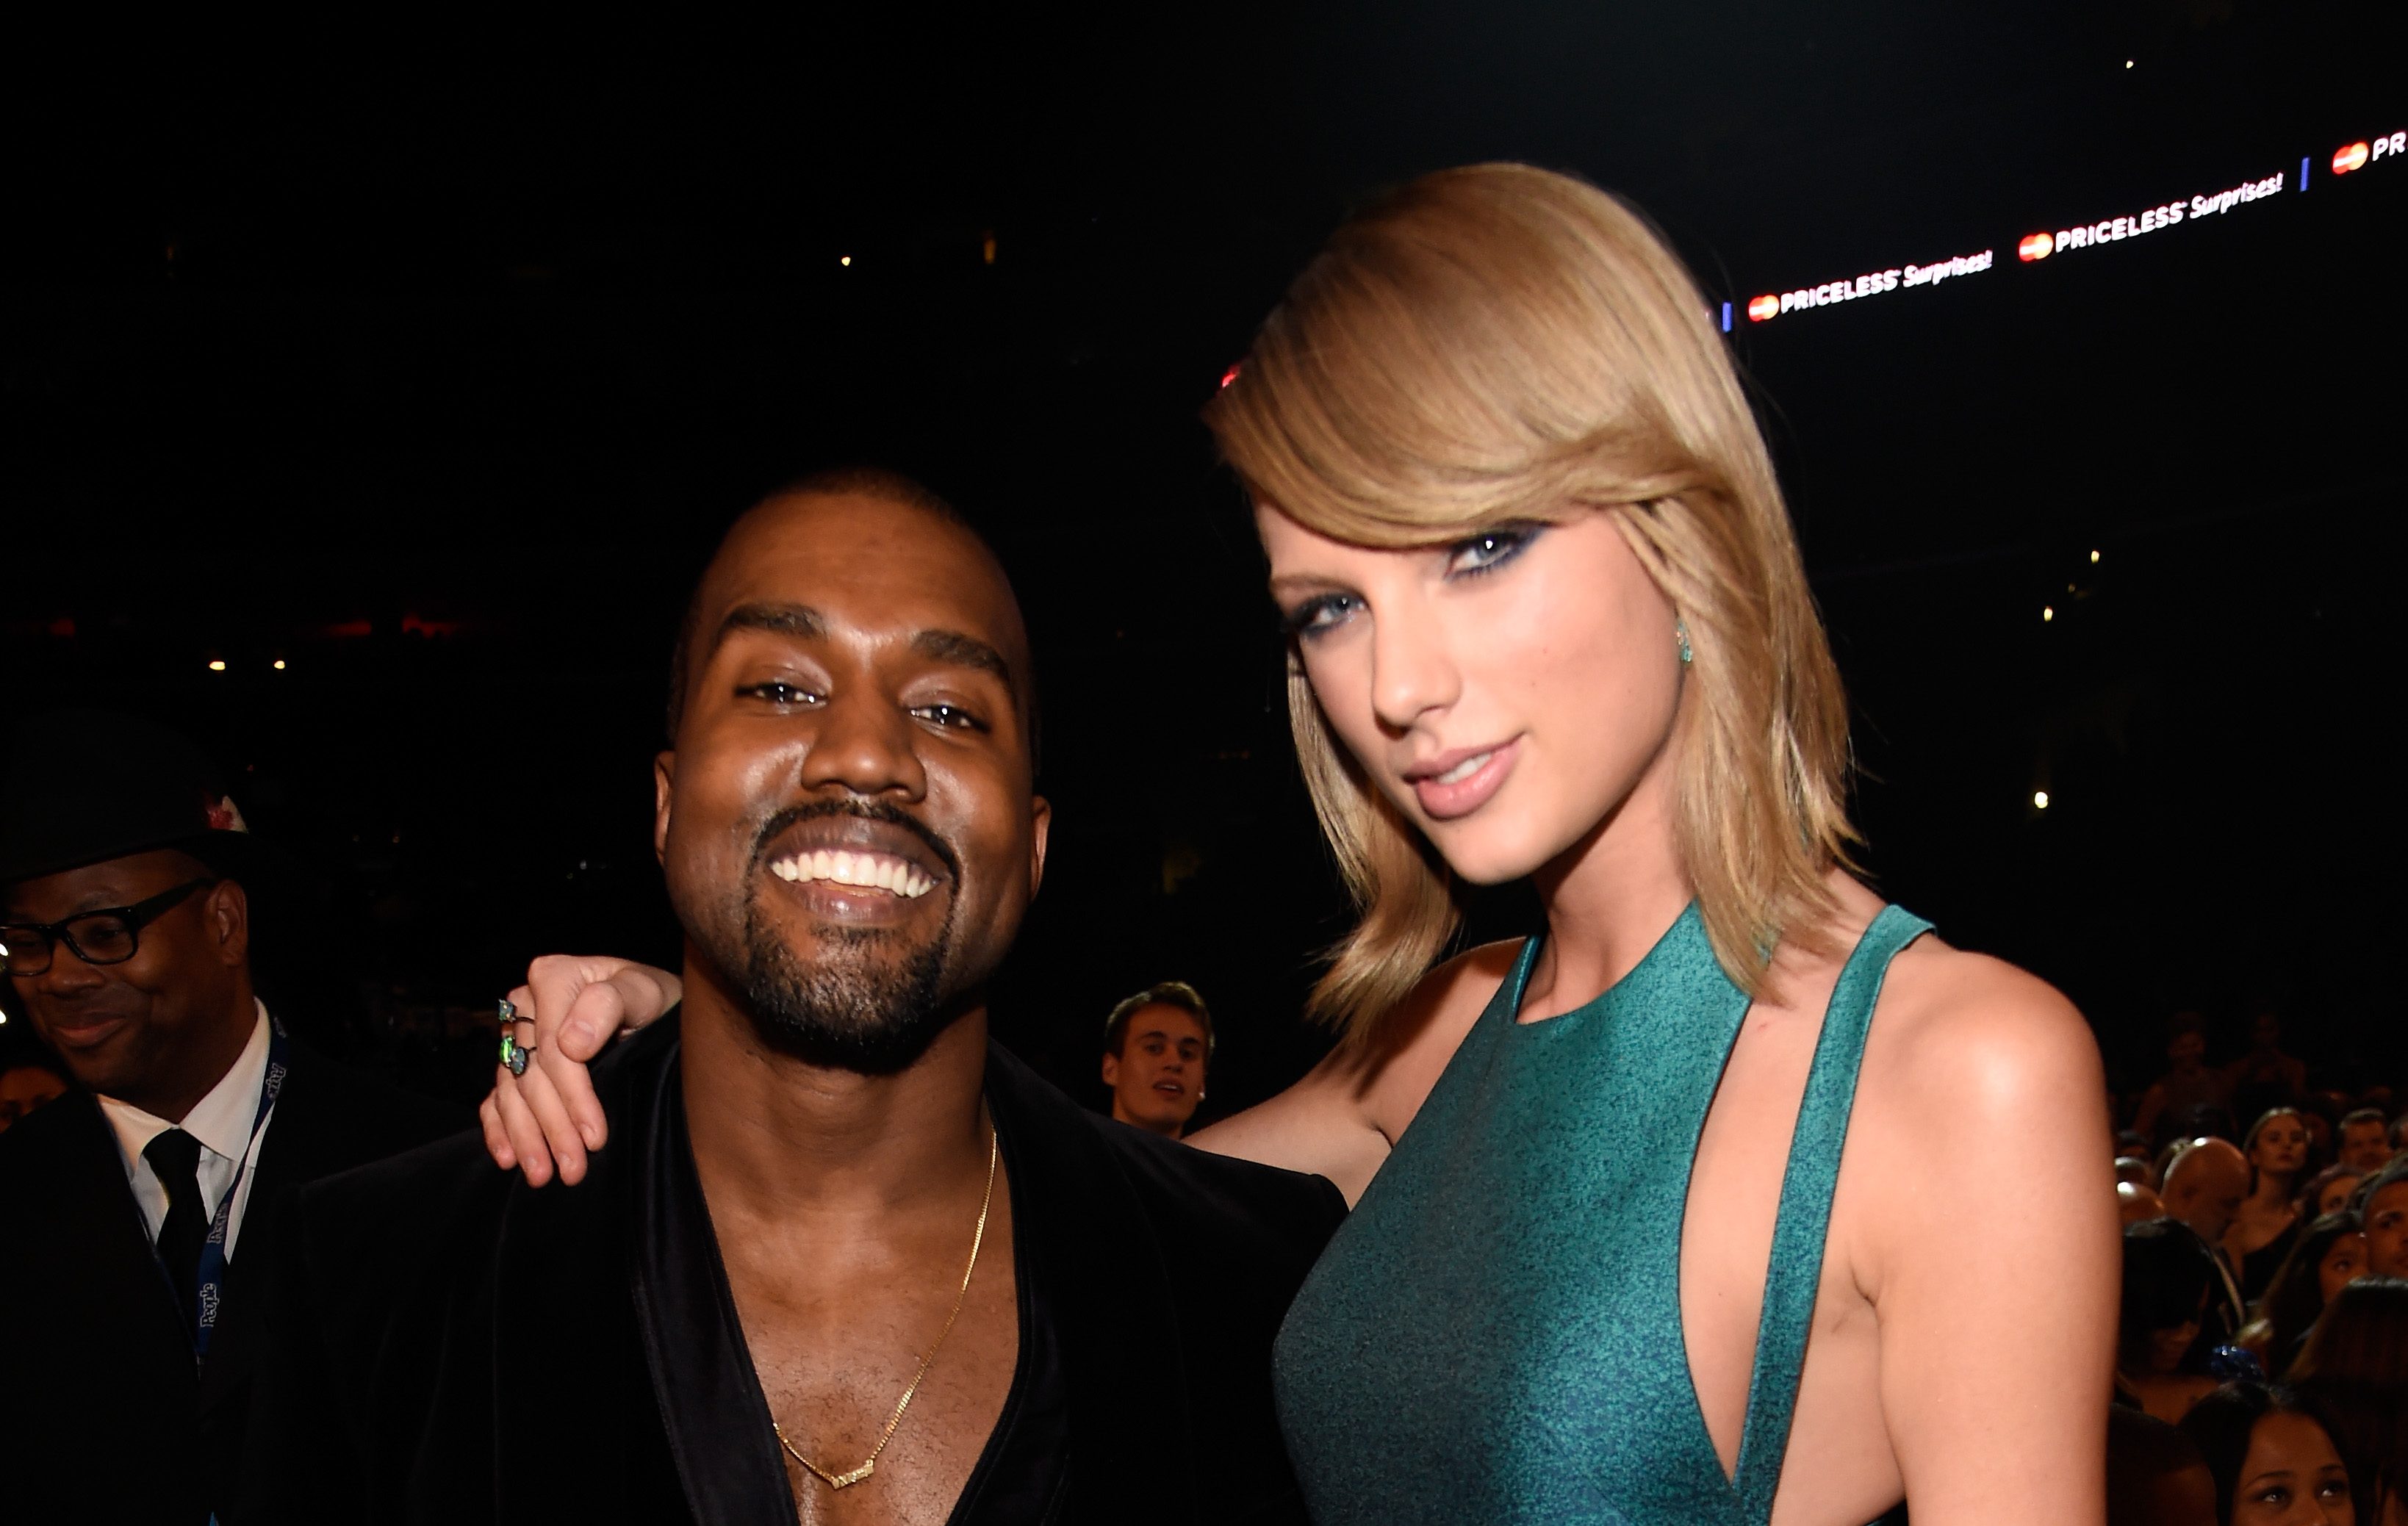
(1494, 1335)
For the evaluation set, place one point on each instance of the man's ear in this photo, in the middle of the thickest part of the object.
(228, 910)
(664, 781)
(1040, 824)
(1111, 1070)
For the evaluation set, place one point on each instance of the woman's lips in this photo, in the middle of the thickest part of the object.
(1466, 783)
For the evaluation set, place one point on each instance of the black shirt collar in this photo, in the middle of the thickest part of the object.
(711, 1408)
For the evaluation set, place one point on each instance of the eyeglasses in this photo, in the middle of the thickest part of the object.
(108, 937)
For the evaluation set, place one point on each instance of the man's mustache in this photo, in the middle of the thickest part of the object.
(865, 810)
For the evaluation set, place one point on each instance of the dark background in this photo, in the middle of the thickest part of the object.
(431, 363)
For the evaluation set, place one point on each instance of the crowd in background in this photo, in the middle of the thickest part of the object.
(2262, 1359)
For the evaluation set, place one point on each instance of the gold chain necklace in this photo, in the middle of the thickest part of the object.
(870, 1464)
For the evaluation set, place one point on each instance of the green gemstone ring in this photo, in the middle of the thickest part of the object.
(514, 1054)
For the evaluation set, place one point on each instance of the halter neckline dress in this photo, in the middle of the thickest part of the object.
(1494, 1335)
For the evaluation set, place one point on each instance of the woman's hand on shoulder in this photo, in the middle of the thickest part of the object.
(1341, 1120)
(1992, 1254)
(547, 1118)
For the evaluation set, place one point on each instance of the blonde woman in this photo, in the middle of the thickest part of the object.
(1728, 1196)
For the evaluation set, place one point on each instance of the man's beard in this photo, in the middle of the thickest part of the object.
(849, 1008)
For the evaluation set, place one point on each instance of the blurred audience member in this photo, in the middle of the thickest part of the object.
(2400, 1133)
(2329, 1192)
(2268, 1221)
(2205, 1121)
(2137, 1203)
(2265, 1070)
(1157, 1046)
(2155, 1475)
(2165, 1158)
(2328, 1255)
(2169, 1287)
(25, 1085)
(2365, 1143)
(2355, 1370)
(2317, 1111)
(2203, 1188)
(2187, 1083)
(2273, 1461)
(138, 1207)
(2382, 1206)
(2133, 1168)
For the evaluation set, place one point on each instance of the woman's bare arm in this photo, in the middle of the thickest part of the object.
(1338, 1122)
(1992, 1262)
(1318, 1125)
(1343, 1117)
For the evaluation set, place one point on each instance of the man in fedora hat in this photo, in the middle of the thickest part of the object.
(136, 1205)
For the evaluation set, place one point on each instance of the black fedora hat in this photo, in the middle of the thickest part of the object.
(81, 787)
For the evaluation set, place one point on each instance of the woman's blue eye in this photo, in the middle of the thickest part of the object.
(1489, 550)
(1320, 613)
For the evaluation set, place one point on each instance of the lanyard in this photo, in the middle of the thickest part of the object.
(210, 1280)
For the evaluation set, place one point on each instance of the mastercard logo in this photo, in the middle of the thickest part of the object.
(2036, 245)
(1760, 309)
(2348, 159)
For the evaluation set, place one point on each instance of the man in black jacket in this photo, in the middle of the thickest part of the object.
(141, 1207)
(845, 1260)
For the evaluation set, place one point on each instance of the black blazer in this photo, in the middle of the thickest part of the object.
(103, 1415)
(453, 1346)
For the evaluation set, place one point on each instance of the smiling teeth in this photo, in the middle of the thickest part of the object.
(868, 871)
(1465, 769)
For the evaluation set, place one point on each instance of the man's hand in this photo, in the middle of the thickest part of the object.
(550, 1117)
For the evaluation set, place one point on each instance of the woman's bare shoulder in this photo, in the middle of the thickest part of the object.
(1341, 1118)
(1393, 1070)
(1971, 1062)
(1945, 1015)
(1961, 1019)
(1965, 1052)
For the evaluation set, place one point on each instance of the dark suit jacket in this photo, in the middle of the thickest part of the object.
(102, 1417)
(453, 1346)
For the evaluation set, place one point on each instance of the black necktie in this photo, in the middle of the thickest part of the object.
(176, 1157)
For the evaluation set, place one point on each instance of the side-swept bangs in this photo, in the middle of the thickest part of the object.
(1499, 343)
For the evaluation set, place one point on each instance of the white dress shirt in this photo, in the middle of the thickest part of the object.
(221, 1121)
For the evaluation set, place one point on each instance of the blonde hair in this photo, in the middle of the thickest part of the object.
(1498, 343)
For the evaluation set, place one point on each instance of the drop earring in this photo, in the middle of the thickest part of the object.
(1680, 633)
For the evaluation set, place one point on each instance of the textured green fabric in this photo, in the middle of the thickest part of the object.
(1495, 1333)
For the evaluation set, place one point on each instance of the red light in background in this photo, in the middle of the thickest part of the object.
(2345, 160)
(1231, 374)
(1760, 309)
(2035, 245)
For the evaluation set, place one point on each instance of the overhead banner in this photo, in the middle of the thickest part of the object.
(2120, 227)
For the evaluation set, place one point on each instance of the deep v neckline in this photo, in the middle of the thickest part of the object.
(1524, 1240)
